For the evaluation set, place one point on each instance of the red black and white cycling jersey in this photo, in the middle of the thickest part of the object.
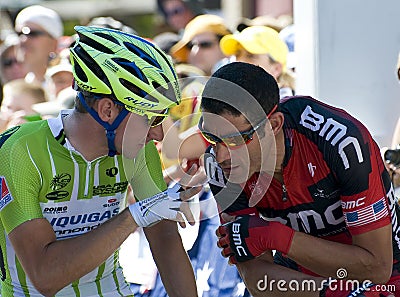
(335, 184)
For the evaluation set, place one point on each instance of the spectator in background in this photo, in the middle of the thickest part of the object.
(111, 23)
(59, 74)
(262, 46)
(166, 40)
(16, 107)
(199, 45)
(394, 169)
(287, 35)
(50, 109)
(10, 67)
(178, 13)
(276, 23)
(39, 29)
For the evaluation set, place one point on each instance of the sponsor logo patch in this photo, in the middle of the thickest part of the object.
(368, 214)
(5, 197)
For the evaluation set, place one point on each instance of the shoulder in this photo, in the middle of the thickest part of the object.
(32, 135)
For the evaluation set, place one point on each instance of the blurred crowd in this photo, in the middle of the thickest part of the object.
(37, 82)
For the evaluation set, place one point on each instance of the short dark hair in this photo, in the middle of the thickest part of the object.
(241, 88)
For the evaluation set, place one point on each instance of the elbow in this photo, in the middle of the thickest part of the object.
(383, 276)
(45, 289)
(44, 286)
(380, 272)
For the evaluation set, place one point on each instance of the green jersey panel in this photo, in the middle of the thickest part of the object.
(42, 176)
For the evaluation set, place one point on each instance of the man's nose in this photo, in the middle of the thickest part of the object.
(155, 133)
(221, 152)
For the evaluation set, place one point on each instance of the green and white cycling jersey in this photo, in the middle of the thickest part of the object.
(42, 176)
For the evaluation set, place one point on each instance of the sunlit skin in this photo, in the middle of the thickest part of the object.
(61, 80)
(262, 60)
(136, 133)
(35, 51)
(205, 58)
(241, 162)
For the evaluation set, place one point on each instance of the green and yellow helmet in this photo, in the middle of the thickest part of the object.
(126, 67)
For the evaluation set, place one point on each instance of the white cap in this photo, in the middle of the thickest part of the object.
(62, 66)
(45, 17)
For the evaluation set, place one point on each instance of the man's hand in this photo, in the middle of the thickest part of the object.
(170, 204)
(248, 237)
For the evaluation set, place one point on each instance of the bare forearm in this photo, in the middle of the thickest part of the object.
(171, 259)
(63, 261)
(264, 278)
(326, 258)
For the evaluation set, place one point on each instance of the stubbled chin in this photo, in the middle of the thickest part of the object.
(236, 175)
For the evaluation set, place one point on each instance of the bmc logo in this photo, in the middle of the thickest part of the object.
(237, 240)
(333, 132)
(353, 204)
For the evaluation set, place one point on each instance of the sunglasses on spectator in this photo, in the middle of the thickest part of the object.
(157, 118)
(175, 11)
(28, 32)
(235, 139)
(6, 63)
(202, 44)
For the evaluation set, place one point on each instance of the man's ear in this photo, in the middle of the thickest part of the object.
(106, 109)
(277, 119)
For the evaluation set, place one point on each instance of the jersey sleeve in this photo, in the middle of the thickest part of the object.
(20, 185)
(147, 177)
(354, 158)
(366, 208)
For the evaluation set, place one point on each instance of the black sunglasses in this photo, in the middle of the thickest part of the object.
(202, 44)
(235, 139)
(175, 11)
(9, 62)
(28, 32)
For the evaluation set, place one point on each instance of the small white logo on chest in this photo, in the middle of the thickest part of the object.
(311, 168)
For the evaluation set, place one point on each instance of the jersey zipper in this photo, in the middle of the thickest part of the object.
(284, 193)
(284, 190)
(88, 169)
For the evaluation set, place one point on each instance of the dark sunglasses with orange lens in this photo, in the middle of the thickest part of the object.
(231, 140)
(235, 139)
(156, 120)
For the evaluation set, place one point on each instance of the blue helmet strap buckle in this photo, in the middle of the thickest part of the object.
(110, 128)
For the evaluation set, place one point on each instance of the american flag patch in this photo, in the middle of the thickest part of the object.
(366, 215)
(5, 197)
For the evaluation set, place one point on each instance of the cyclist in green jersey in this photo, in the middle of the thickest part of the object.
(63, 180)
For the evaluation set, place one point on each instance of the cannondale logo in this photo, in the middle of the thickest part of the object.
(111, 172)
(59, 181)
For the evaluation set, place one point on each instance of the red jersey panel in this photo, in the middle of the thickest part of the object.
(335, 184)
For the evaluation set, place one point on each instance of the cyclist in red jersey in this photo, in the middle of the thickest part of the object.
(300, 178)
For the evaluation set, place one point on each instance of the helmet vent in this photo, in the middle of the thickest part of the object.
(131, 68)
(96, 45)
(133, 88)
(164, 56)
(141, 54)
(80, 73)
(108, 37)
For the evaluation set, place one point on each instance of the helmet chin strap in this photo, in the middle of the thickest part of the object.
(110, 129)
